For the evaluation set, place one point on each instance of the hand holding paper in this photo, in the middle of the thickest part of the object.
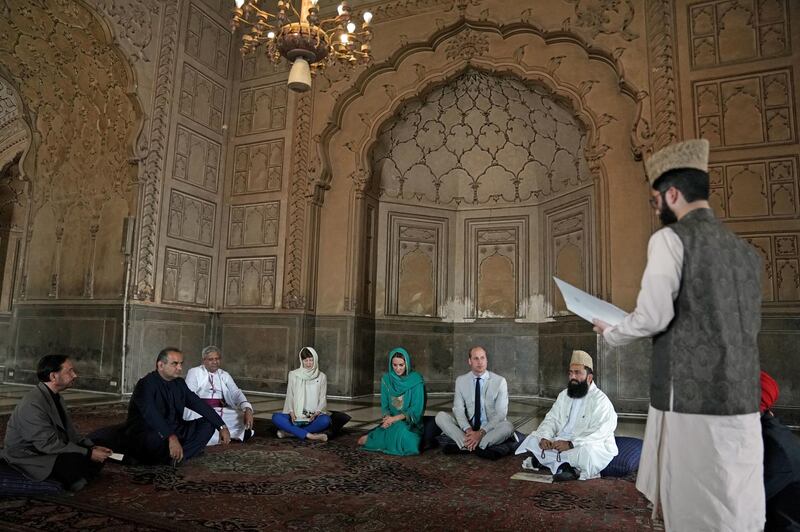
(587, 306)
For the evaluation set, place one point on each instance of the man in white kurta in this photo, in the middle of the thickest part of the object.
(705, 471)
(217, 388)
(579, 428)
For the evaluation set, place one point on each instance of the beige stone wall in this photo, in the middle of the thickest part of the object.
(590, 65)
(251, 198)
(75, 96)
(274, 209)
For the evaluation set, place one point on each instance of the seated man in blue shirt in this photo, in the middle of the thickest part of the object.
(156, 432)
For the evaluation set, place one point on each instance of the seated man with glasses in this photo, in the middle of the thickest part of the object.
(576, 438)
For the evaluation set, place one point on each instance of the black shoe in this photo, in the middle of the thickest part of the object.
(564, 473)
(489, 453)
(452, 448)
(247, 435)
(534, 462)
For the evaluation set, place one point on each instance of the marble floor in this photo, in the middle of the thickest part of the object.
(365, 412)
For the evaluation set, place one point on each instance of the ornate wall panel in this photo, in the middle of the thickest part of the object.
(569, 249)
(191, 218)
(780, 280)
(300, 243)
(85, 128)
(417, 264)
(207, 41)
(250, 282)
(255, 224)
(76, 248)
(733, 31)
(202, 99)
(758, 189)
(496, 266)
(746, 110)
(152, 180)
(259, 65)
(220, 7)
(480, 139)
(197, 159)
(14, 135)
(663, 85)
(109, 273)
(258, 167)
(262, 108)
(186, 278)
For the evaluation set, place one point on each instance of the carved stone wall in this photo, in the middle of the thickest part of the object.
(257, 181)
(81, 182)
(417, 264)
(191, 216)
(737, 71)
(436, 146)
(15, 139)
(426, 198)
(480, 140)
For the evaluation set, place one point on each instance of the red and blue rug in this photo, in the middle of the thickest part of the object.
(272, 484)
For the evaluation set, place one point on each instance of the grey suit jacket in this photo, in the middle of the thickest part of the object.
(35, 435)
(494, 397)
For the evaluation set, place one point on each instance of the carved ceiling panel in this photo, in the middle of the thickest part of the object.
(481, 139)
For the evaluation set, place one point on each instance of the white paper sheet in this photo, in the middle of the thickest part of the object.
(116, 456)
(587, 306)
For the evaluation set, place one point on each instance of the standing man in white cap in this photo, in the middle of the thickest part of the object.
(576, 438)
(701, 301)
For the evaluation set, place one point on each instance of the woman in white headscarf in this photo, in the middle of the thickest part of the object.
(304, 413)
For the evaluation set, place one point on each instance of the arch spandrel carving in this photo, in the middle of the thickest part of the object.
(590, 80)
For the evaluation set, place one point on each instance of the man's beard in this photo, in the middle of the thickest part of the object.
(576, 389)
(665, 214)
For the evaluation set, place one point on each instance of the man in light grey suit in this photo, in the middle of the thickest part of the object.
(41, 441)
(480, 407)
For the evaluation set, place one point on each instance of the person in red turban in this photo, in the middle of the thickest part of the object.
(781, 464)
(769, 391)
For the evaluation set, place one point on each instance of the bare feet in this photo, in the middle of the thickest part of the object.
(317, 436)
(362, 440)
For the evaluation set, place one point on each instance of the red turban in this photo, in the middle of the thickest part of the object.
(769, 391)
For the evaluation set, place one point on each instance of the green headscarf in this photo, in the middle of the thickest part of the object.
(398, 385)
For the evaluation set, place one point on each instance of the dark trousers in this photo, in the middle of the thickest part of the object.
(148, 447)
(71, 467)
(783, 511)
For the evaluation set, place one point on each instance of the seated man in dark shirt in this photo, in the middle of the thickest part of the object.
(781, 464)
(156, 432)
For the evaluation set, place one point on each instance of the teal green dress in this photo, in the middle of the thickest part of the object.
(400, 395)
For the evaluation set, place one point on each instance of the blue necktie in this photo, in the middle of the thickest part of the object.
(476, 418)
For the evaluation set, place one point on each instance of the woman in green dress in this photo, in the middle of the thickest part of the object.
(402, 405)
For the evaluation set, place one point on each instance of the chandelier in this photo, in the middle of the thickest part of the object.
(305, 40)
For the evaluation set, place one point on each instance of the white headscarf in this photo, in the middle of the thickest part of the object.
(300, 376)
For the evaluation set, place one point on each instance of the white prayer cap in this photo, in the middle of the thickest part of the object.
(582, 358)
(689, 154)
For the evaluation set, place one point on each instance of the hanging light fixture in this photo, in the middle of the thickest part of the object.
(302, 38)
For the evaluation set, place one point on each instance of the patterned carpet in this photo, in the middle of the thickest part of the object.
(272, 484)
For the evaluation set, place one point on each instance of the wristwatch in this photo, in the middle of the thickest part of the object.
(222, 427)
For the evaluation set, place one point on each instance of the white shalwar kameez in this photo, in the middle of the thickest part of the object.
(219, 385)
(588, 422)
(705, 471)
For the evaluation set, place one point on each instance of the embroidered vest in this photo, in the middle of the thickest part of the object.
(709, 352)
